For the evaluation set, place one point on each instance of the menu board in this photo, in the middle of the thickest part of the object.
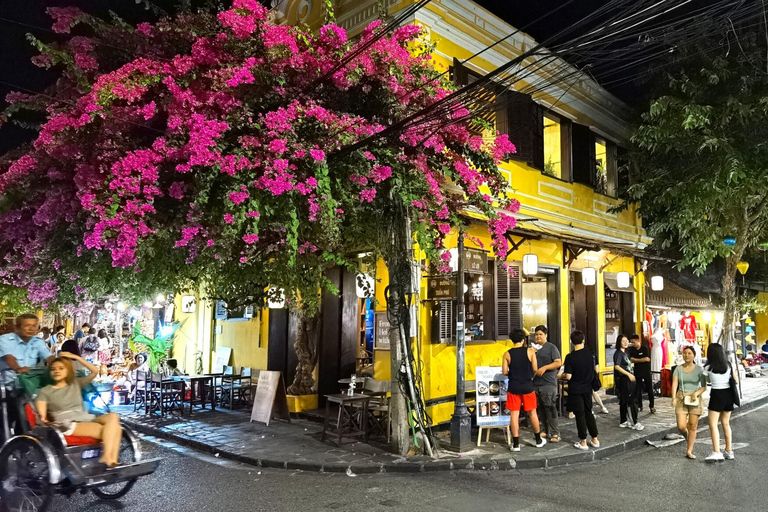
(491, 396)
(271, 400)
(381, 331)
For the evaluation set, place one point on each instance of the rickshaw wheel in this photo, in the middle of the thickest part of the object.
(25, 484)
(126, 455)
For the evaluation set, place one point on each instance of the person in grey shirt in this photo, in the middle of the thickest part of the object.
(545, 384)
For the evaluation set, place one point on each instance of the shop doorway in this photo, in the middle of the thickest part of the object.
(619, 314)
(541, 302)
(281, 354)
(583, 310)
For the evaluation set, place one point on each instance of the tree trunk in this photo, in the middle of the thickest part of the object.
(398, 412)
(729, 295)
(306, 350)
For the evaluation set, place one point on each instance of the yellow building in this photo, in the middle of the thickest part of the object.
(569, 138)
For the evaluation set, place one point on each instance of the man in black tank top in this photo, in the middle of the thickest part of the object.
(519, 364)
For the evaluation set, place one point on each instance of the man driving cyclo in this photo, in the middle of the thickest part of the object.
(59, 403)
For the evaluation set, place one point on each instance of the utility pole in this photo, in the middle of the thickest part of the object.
(461, 421)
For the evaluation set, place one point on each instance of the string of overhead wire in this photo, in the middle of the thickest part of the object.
(586, 50)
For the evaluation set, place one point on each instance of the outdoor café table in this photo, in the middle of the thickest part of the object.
(228, 385)
(199, 385)
(172, 387)
(352, 420)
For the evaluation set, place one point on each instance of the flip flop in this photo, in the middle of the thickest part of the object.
(689, 456)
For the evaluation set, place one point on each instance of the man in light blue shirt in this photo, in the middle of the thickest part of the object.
(22, 349)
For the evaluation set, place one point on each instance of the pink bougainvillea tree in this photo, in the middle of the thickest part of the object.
(207, 151)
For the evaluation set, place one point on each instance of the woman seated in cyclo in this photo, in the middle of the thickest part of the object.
(61, 405)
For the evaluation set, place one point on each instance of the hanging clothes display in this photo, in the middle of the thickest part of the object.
(688, 325)
(657, 351)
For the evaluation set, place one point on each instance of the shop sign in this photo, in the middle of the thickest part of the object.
(491, 397)
(441, 288)
(381, 331)
(221, 310)
(475, 262)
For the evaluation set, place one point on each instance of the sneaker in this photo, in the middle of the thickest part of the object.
(594, 444)
(580, 446)
(514, 448)
(638, 426)
(653, 410)
(604, 410)
(540, 443)
(715, 457)
(728, 455)
(624, 425)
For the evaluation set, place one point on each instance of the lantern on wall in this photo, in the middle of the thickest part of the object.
(729, 241)
(530, 265)
(589, 276)
(743, 266)
(622, 279)
(276, 298)
(657, 283)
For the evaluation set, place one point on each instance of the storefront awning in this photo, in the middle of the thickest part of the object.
(673, 296)
(613, 284)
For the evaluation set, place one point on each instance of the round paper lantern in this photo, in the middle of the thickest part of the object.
(622, 279)
(589, 276)
(530, 265)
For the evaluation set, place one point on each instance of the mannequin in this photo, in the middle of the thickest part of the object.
(688, 325)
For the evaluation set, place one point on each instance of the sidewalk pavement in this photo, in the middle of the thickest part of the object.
(297, 445)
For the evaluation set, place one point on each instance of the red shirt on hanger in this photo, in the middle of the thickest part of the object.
(688, 325)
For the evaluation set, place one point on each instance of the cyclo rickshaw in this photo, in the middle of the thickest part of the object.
(38, 461)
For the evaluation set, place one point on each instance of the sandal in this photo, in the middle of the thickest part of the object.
(554, 439)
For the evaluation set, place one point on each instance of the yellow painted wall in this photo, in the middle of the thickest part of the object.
(761, 323)
(247, 339)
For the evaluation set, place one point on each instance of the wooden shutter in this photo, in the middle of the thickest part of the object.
(509, 312)
(566, 169)
(537, 136)
(622, 164)
(447, 325)
(459, 74)
(583, 154)
(502, 114)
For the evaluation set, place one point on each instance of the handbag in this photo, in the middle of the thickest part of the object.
(91, 344)
(734, 390)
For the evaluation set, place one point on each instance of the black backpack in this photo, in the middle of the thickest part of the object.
(91, 344)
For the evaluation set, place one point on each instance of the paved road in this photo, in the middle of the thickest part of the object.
(648, 479)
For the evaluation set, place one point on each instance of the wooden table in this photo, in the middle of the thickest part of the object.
(352, 419)
(229, 383)
(199, 385)
(172, 387)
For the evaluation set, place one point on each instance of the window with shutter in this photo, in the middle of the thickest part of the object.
(508, 299)
(446, 324)
(622, 167)
(537, 136)
(583, 154)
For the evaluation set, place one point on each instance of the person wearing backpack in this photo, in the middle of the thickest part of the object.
(90, 347)
(719, 372)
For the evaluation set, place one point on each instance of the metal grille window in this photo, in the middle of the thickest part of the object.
(445, 322)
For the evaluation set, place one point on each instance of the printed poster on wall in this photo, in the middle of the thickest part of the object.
(491, 396)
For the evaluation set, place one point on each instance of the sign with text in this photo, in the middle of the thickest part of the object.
(381, 331)
(475, 262)
(441, 288)
(223, 355)
(271, 400)
(491, 397)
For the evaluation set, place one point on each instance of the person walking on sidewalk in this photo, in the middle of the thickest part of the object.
(640, 356)
(580, 371)
(719, 372)
(625, 385)
(545, 384)
(688, 384)
(519, 364)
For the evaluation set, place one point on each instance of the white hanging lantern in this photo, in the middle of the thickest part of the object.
(622, 279)
(530, 265)
(589, 276)
(364, 286)
(657, 283)
(454, 261)
(276, 298)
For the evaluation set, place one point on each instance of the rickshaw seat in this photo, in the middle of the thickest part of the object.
(70, 440)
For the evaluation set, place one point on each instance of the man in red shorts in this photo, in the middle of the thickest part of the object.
(519, 364)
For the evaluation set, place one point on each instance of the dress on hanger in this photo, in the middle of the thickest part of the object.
(688, 325)
(657, 351)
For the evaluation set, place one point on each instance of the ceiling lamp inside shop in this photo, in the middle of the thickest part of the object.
(589, 276)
